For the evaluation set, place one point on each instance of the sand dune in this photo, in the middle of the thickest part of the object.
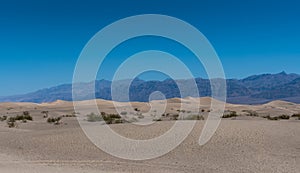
(241, 144)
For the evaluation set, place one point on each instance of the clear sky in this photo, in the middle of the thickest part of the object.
(41, 40)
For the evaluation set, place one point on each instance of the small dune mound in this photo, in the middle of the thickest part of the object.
(280, 103)
(175, 100)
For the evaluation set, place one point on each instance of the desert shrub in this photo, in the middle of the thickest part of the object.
(26, 113)
(23, 117)
(195, 117)
(3, 118)
(140, 116)
(46, 113)
(183, 111)
(271, 118)
(108, 118)
(70, 115)
(284, 117)
(112, 118)
(175, 116)
(92, 117)
(10, 108)
(118, 121)
(251, 113)
(296, 115)
(200, 117)
(26, 116)
(123, 113)
(54, 120)
(230, 115)
(11, 122)
(157, 119)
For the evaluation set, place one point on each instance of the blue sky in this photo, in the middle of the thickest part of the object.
(40, 41)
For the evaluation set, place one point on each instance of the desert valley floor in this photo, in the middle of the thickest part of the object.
(250, 142)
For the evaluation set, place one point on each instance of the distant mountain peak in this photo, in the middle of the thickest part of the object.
(283, 73)
(251, 90)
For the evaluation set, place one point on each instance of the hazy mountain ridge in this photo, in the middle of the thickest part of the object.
(251, 90)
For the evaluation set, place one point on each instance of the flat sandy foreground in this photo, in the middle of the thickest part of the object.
(242, 144)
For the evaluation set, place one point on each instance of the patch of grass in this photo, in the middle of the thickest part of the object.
(230, 115)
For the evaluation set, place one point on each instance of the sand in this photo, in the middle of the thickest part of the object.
(241, 144)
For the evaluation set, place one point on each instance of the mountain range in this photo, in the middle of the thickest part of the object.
(255, 89)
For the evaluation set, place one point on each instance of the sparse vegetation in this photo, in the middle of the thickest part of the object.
(251, 113)
(10, 108)
(92, 117)
(46, 114)
(195, 117)
(271, 118)
(230, 115)
(284, 117)
(3, 118)
(54, 120)
(112, 118)
(11, 122)
(296, 115)
(70, 115)
(123, 113)
(175, 116)
(23, 118)
(108, 118)
(183, 111)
